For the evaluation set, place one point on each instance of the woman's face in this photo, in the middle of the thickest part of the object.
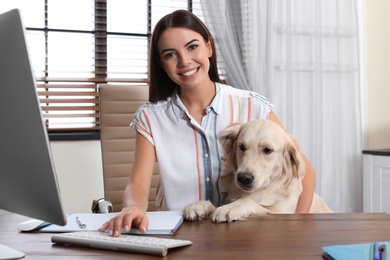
(185, 56)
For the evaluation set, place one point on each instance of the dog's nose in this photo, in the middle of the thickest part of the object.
(245, 178)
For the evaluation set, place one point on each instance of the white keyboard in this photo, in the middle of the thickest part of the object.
(125, 243)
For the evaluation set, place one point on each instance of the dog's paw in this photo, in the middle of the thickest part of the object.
(238, 210)
(198, 210)
(228, 213)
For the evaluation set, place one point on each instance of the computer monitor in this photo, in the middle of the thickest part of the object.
(28, 182)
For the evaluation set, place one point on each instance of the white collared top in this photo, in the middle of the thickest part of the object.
(188, 154)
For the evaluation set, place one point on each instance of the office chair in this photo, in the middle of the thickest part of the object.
(118, 103)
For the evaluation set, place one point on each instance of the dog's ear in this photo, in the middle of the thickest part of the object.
(227, 139)
(228, 136)
(293, 160)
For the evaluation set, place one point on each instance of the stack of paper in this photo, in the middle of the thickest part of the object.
(160, 222)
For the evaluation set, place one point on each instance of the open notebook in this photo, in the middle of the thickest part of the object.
(160, 223)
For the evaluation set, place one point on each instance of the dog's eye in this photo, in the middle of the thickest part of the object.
(242, 147)
(267, 150)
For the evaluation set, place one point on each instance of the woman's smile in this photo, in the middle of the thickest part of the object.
(189, 73)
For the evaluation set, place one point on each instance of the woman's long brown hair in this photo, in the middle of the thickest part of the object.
(160, 85)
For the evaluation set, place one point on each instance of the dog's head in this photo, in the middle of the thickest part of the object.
(262, 155)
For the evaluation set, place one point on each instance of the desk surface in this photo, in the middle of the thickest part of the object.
(276, 237)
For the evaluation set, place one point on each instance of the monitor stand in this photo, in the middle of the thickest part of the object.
(10, 253)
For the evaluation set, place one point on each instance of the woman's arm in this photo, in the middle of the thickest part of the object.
(135, 196)
(308, 182)
(137, 189)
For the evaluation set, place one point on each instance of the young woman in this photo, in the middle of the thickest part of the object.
(188, 108)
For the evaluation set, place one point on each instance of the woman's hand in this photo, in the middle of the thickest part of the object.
(135, 195)
(127, 218)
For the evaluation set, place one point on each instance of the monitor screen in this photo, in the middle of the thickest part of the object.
(28, 182)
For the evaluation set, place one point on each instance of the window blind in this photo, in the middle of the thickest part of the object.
(76, 45)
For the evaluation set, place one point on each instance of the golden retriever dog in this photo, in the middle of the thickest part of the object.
(264, 172)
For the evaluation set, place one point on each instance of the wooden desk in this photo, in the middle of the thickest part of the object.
(278, 237)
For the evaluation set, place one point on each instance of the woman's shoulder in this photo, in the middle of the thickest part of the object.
(154, 106)
(229, 90)
(153, 109)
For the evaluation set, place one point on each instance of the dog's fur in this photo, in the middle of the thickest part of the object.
(265, 172)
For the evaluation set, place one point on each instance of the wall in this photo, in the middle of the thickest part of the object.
(79, 170)
(378, 74)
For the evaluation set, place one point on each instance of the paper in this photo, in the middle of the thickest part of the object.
(352, 251)
(160, 222)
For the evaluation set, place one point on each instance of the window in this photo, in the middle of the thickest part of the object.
(75, 45)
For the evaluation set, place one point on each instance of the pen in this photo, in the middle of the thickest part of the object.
(82, 225)
(382, 251)
(377, 255)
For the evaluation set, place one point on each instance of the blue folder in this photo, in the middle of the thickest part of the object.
(355, 251)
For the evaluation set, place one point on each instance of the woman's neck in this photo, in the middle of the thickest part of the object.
(197, 100)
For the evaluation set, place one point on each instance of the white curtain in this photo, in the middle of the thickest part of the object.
(304, 55)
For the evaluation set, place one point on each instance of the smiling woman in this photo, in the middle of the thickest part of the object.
(189, 108)
(76, 45)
